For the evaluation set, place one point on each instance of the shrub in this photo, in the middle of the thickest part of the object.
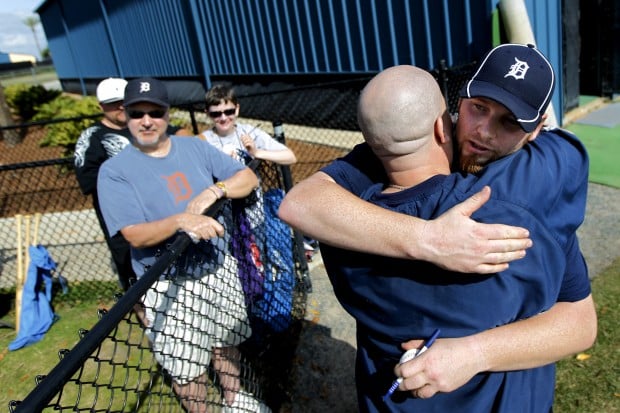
(24, 99)
(66, 134)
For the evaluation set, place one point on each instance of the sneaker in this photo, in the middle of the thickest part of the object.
(246, 402)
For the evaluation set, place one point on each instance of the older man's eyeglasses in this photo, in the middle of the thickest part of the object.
(139, 114)
(217, 113)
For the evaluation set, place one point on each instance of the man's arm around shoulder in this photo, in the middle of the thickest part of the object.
(323, 210)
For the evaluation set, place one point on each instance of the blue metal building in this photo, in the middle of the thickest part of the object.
(275, 40)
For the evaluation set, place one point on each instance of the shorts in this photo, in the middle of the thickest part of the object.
(187, 317)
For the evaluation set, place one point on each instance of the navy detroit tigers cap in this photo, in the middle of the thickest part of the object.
(517, 76)
(146, 89)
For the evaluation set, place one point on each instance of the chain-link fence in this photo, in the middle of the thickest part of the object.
(42, 200)
(118, 364)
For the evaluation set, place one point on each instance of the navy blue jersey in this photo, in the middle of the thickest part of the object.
(395, 300)
(548, 177)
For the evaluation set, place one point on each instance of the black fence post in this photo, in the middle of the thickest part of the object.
(298, 240)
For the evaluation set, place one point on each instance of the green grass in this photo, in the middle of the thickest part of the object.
(593, 385)
(123, 367)
(603, 145)
(19, 368)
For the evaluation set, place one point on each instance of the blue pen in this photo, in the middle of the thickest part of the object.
(411, 354)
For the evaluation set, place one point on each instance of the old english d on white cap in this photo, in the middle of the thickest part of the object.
(517, 76)
(111, 90)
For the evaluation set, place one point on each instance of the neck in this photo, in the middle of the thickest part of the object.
(112, 125)
(224, 133)
(158, 150)
(405, 171)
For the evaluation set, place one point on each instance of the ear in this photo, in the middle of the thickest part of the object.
(443, 128)
(535, 132)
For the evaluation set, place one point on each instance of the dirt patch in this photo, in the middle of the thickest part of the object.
(36, 187)
(29, 185)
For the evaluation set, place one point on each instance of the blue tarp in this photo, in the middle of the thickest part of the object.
(36, 311)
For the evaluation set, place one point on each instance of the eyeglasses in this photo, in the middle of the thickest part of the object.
(217, 113)
(138, 114)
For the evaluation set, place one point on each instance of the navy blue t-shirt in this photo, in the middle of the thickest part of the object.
(396, 300)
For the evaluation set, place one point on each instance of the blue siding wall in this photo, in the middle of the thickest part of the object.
(338, 36)
(120, 38)
(199, 39)
(261, 37)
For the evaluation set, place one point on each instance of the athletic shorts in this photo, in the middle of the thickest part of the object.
(187, 317)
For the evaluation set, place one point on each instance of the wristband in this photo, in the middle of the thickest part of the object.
(222, 187)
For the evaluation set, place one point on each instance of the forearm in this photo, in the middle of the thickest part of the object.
(325, 211)
(240, 184)
(148, 234)
(283, 157)
(565, 329)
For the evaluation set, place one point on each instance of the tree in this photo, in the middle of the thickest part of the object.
(33, 22)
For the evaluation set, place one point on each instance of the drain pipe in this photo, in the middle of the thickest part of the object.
(519, 30)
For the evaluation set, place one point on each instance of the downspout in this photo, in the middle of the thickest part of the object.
(519, 30)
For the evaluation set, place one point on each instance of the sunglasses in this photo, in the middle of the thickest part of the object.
(138, 114)
(217, 113)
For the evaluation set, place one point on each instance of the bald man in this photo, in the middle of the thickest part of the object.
(476, 364)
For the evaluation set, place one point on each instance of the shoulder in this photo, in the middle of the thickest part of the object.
(209, 136)
(93, 129)
(560, 144)
(124, 158)
(207, 133)
(361, 157)
(357, 170)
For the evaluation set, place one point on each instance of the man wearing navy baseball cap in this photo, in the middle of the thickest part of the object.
(517, 76)
(146, 90)
(153, 191)
(501, 110)
(503, 105)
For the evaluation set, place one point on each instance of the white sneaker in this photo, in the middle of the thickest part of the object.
(246, 402)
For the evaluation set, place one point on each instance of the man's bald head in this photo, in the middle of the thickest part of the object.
(398, 108)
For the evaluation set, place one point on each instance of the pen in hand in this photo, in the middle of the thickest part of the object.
(411, 354)
(252, 130)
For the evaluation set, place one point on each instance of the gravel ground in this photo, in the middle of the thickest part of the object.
(600, 233)
(323, 378)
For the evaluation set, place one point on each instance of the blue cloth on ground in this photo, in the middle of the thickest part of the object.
(36, 312)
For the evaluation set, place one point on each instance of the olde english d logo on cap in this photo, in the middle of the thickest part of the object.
(145, 87)
(518, 70)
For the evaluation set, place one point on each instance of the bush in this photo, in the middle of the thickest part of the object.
(24, 99)
(66, 134)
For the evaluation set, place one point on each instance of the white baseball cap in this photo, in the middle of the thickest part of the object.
(111, 90)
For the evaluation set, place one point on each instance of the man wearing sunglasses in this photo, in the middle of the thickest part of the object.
(151, 191)
(235, 138)
(100, 141)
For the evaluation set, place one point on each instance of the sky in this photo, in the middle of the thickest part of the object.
(15, 36)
